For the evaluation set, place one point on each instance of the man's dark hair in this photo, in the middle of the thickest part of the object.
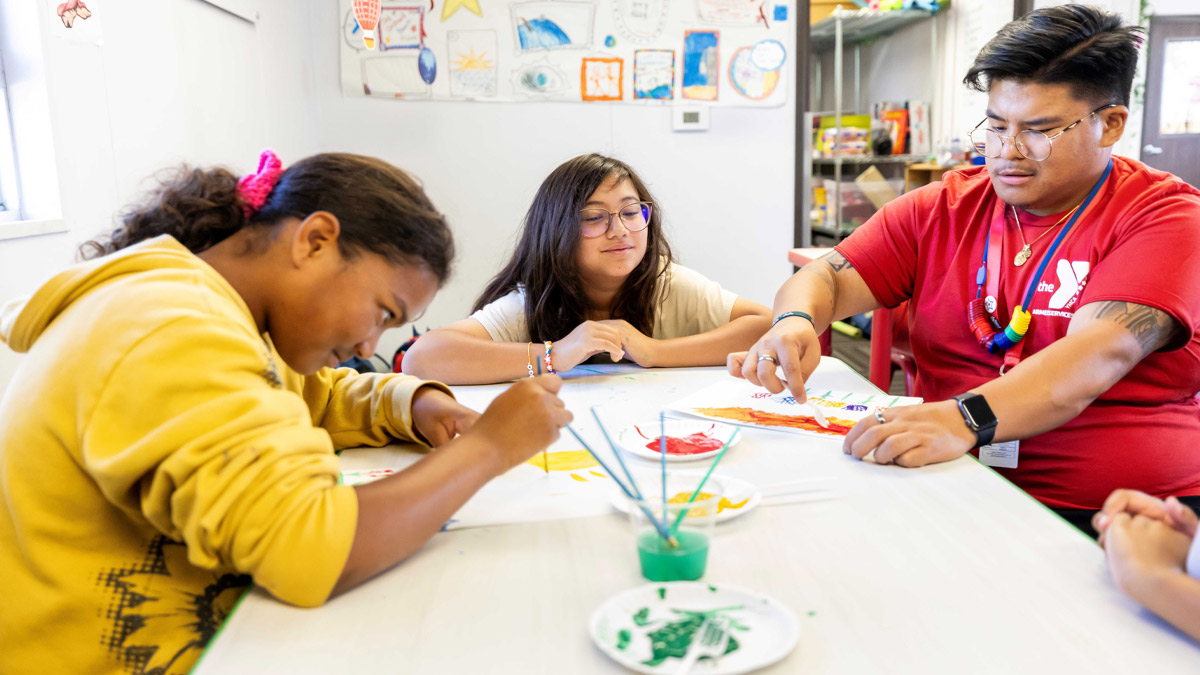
(1083, 47)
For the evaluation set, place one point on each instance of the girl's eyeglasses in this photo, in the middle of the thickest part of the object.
(596, 222)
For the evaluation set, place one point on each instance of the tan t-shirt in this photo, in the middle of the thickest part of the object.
(693, 305)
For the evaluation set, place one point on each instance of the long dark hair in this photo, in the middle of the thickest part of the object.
(1086, 48)
(381, 210)
(544, 262)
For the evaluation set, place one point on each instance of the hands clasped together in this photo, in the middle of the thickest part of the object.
(1144, 538)
(615, 337)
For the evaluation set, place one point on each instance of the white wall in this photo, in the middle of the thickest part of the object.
(171, 80)
(727, 193)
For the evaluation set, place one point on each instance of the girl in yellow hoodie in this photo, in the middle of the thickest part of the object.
(169, 437)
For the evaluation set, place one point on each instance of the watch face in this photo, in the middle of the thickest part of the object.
(979, 411)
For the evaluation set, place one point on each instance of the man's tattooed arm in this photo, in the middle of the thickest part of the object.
(1152, 328)
(826, 268)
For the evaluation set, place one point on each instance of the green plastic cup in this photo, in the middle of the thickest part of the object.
(687, 561)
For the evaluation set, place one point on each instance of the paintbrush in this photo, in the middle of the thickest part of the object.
(659, 526)
(662, 451)
(817, 414)
(717, 460)
(617, 453)
(545, 462)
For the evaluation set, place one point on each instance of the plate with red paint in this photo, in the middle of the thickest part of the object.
(737, 496)
(687, 440)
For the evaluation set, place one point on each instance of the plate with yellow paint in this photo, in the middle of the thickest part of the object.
(649, 628)
(687, 440)
(738, 496)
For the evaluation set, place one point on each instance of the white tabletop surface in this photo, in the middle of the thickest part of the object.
(944, 569)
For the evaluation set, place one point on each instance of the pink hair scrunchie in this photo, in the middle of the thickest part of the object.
(253, 188)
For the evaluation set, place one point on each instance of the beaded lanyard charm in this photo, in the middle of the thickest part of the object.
(984, 326)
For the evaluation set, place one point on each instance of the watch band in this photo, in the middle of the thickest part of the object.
(984, 431)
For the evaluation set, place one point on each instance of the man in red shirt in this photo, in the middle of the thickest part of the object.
(1054, 295)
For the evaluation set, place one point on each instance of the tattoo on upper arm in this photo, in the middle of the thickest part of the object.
(837, 261)
(833, 261)
(1153, 328)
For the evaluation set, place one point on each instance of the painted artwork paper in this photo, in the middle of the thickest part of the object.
(734, 12)
(561, 24)
(701, 65)
(394, 77)
(401, 27)
(740, 402)
(641, 20)
(602, 79)
(473, 63)
(721, 53)
(654, 74)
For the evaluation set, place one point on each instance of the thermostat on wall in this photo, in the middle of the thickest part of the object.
(690, 118)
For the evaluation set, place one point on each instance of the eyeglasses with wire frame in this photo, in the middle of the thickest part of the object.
(635, 216)
(1031, 144)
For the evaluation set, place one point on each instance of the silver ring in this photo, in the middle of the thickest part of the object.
(879, 417)
(768, 357)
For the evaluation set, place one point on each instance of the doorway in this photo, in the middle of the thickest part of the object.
(1171, 126)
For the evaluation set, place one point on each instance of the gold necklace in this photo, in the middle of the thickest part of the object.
(1026, 251)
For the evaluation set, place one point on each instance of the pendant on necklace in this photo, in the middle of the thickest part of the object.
(1023, 256)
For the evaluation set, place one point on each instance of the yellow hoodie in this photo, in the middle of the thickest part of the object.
(154, 451)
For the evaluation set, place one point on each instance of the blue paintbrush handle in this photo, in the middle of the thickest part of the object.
(660, 526)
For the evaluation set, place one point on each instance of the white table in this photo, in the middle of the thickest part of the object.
(944, 569)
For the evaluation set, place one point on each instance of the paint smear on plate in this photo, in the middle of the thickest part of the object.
(692, 444)
(673, 638)
(725, 503)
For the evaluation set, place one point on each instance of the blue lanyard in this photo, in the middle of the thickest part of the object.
(981, 276)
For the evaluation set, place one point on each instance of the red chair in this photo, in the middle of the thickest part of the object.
(890, 348)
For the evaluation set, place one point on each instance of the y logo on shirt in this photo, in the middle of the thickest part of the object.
(1072, 277)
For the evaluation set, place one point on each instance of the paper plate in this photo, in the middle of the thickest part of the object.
(635, 437)
(649, 628)
(739, 496)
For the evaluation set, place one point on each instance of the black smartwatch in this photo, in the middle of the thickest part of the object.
(978, 416)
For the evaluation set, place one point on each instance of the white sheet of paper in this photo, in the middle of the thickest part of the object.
(738, 402)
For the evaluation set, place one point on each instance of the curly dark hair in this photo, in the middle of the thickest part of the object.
(544, 262)
(381, 210)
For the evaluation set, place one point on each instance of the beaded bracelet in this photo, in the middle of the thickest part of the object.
(529, 358)
(802, 315)
(546, 358)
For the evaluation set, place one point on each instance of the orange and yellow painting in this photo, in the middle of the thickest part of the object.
(837, 427)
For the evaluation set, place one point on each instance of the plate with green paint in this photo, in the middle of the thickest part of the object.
(649, 629)
(737, 496)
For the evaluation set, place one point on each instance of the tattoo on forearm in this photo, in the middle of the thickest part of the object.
(1151, 327)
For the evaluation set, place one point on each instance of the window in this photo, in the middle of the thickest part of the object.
(9, 187)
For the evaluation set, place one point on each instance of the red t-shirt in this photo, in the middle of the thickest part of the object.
(1139, 242)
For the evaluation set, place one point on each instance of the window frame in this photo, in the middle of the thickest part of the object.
(10, 177)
